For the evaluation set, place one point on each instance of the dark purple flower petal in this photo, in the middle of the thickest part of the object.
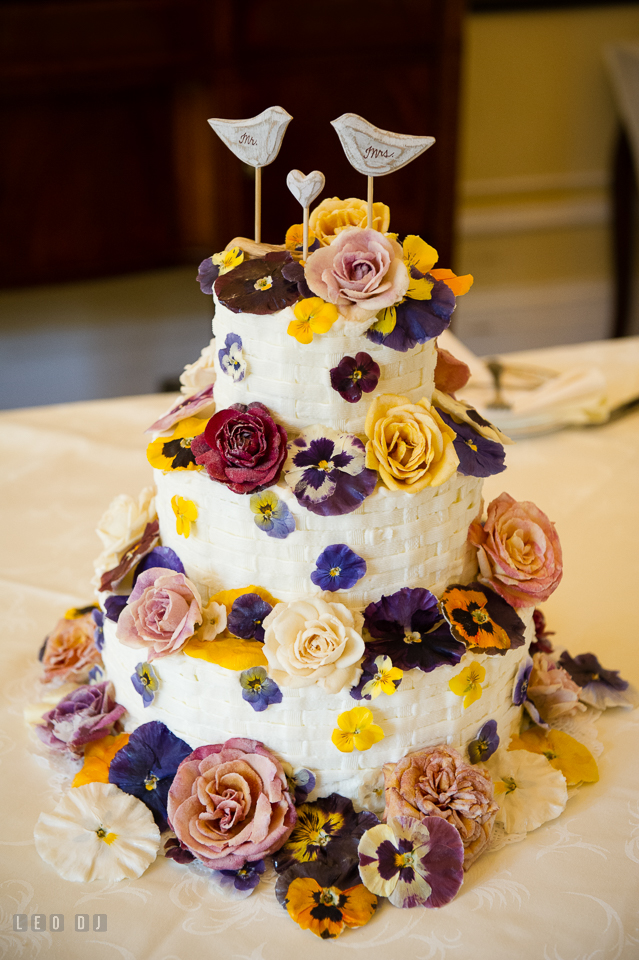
(159, 557)
(520, 689)
(146, 765)
(300, 785)
(541, 643)
(478, 457)
(98, 636)
(294, 272)
(246, 878)
(419, 320)
(354, 376)
(111, 578)
(114, 605)
(338, 568)
(586, 669)
(207, 274)
(485, 743)
(258, 286)
(246, 617)
(88, 713)
(174, 850)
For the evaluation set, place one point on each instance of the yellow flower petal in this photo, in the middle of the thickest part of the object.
(232, 653)
(97, 759)
(351, 721)
(313, 315)
(420, 289)
(367, 737)
(344, 742)
(419, 254)
(459, 285)
(301, 330)
(467, 683)
(185, 513)
(385, 321)
(575, 761)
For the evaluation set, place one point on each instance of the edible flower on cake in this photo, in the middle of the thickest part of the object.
(97, 759)
(338, 568)
(162, 613)
(378, 676)
(332, 216)
(354, 376)
(146, 682)
(216, 266)
(552, 690)
(327, 471)
(231, 358)
(481, 619)
(563, 752)
(599, 688)
(174, 452)
(478, 457)
(121, 525)
(528, 789)
(467, 683)
(258, 286)
(356, 731)
(88, 713)
(258, 689)
(129, 560)
(485, 743)
(272, 515)
(318, 898)
(200, 402)
(247, 617)
(186, 513)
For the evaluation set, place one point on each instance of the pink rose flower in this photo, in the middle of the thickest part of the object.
(229, 804)
(162, 613)
(361, 272)
(518, 551)
(437, 782)
(88, 713)
(242, 447)
(552, 689)
(70, 651)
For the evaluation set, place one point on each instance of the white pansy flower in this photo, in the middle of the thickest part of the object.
(528, 789)
(200, 374)
(120, 526)
(98, 832)
(214, 621)
(371, 794)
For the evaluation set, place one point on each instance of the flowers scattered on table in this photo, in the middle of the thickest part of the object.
(409, 444)
(258, 689)
(200, 402)
(242, 447)
(247, 617)
(414, 863)
(145, 682)
(478, 457)
(229, 804)
(338, 568)
(437, 782)
(312, 316)
(162, 613)
(354, 376)
(327, 473)
(600, 688)
(563, 752)
(70, 650)
(518, 551)
(332, 216)
(485, 743)
(122, 524)
(216, 266)
(408, 627)
(174, 452)
(88, 713)
(146, 766)
(318, 898)
(313, 641)
(528, 789)
(468, 682)
(552, 690)
(232, 359)
(378, 676)
(186, 513)
(356, 731)
(111, 579)
(360, 271)
(97, 832)
(272, 515)
(258, 286)
(481, 619)
(97, 759)
(242, 881)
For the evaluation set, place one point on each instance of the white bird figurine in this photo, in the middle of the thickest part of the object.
(376, 152)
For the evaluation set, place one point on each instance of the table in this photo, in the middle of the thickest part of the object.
(569, 892)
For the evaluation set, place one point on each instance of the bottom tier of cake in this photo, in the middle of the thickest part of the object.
(202, 703)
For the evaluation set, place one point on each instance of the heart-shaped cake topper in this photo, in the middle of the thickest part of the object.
(305, 188)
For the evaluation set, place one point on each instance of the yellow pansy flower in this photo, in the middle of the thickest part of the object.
(228, 259)
(564, 753)
(174, 452)
(294, 239)
(312, 315)
(467, 683)
(185, 514)
(385, 678)
(356, 730)
(97, 759)
(385, 321)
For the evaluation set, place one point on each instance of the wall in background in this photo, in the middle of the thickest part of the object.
(537, 138)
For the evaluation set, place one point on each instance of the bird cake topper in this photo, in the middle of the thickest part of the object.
(256, 142)
(376, 152)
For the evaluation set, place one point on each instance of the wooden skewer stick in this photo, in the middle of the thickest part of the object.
(305, 232)
(369, 206)
(258, 204)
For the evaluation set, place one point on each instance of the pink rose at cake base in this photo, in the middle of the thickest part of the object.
(315, 656)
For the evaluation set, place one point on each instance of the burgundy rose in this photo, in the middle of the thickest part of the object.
(229, 804)
(242, 447)
(163, 610)
(88, 713)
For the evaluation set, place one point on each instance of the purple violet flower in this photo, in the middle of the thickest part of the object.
(600, 688)
(418, 320)
(300, 785)
(370, 670)
(246, 617)
(326, 471)
(258, 286)
(159, 557)
(114, 605)
(520, 688)
(231, 360)
(243, 880)
(485, 743)
(478, 457)
(174, 850)
(185, 407)
(96, 675)
(207, 274)
(338, 568)
(354, 376)
(146, 765)
(145, 682)
(98, 634)
(87, 713)
(272, 515)
(258, 689)
(408, 627)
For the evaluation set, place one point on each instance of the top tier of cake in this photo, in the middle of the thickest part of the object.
(294, 380)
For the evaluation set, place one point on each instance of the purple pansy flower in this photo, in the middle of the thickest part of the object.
(272, 515)
(96, 675)
(354, 376)
(114, 605)
(146, 765)
(174, 850)
(418, 320)
(87, 713)
(370, 670)
(520, 688)
(245, 879)
(600, 688)
(207, 274)
(258, 689)
(338, 568)
(294, 273)
(146, 682)
(485, 743)
(258, 286)
(159, 557)
(412, 862)
(247, 615)
(326, 472)
(185, 407)
(478, 457)
(98, 633)
(408, 627)
(231, 359)
(300, 784)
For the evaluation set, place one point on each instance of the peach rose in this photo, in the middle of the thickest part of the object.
(552, 689)
(333, 215)
(313, 641)
(70, 651)
(518, 551)
(437, 782)
(409, 444)
(229, 804)
(361, 272)
(162, 613)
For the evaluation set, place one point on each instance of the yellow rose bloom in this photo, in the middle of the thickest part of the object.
(409, 444)
(333, 215)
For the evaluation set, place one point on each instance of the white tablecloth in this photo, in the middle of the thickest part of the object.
(569, 892)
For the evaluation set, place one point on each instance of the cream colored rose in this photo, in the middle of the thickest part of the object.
(200, 374)
(333, 215)
(409, 444)
(120, 526)
(313, 641)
